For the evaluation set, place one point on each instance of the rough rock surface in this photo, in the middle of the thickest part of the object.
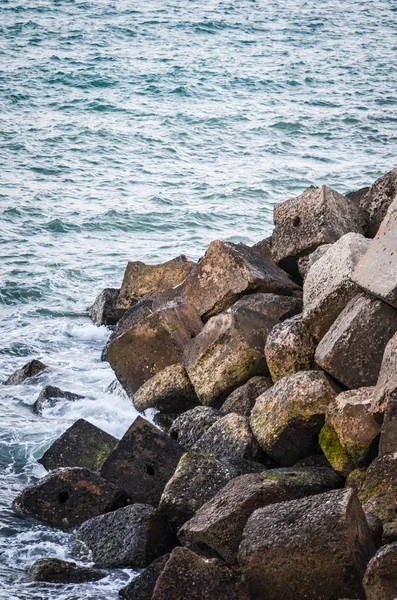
(132, 536)
(170, 391)
(192, 424)
(347, 352)
(305, 481)
(315, 548)
(350, 430)
(117, 389)
(287, 419)
(388, 437)
(264, 247)
(197, 478)
(188, 576)
(228, 271)
(82, 445)
(145, 281)
(104, 311)
(275, 307)
(289, 348)
(376, 201)
(242, 400)
(380, 580)
(53, 570)
(329, 286)
(318, 216)
(142, 586)
(50, 396)
(67, 497)
(155, 343)
(305, 262)
(32, 368)
(387, 380)
(143, 462)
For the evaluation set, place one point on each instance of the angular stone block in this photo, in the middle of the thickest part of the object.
(53, 570)
(377, 199)
(192, 424)
(143, 462)
(228, 271)
(305, 481)
(242, 400)
(82, 445)
(104, 311)
(388, 437)
(329, 286)
(50, 396)
(170, 391)
(315, 548)
(275, 307)
(142, 586)
(305, 262)
(352, 349)
(32, 368)
(387, 380)
(380, 580)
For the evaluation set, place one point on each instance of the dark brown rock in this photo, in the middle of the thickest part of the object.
(376, 201)
(275, 307)
(53, 570)
(315, 548)
(170, 391)
(352, 349)
(104, 311)
(192, 424)
(32, 368)
(143, 462)
(388, 437)
(380, 580)
(264, 247)
(67, 497)
(50, 396)
(242, 400)
(305, 481)
(387, 380)
(142, 586)
(82, 445)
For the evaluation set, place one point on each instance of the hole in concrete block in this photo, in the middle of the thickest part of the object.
(63, 497)
(150, 470)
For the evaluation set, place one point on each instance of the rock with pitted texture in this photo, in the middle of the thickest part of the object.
(380, 580)
(192, 424)
(242, 400)
(388, 437)
(104, 310)
(67, 497)
(387, 380)
(377, 199)
(142, 586)
(305, 262)
(305, 481)
(31, 369)
(170, 391)
(275, 307)
(54, 570)
(264, 247)
(315, 548)
(50, 396)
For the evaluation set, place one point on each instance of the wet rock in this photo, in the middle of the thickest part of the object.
(352, 349)
(50, 396)
(329, 286)
(142, 586)
(219, 523)
(116, 388)
(242, 400)
(82, 445)
(164, 421)
(104, 310)
(289, 348)
(132, 536)
(170, 391)
(376, 201)
(192, 424)
(143, 462)
(155, 343)
(191, 577)
(145, 281)
(32, 368)
(287, 419)
(53, 570)
(350, 430)
(305, 481)
(230, 438)
(228, 271)
(315, 547)
(318, 216)
(387, 380)
(380, 580)
(305, 262)
(197, 478)
(388, 437)
(67, 497)
(277, 308)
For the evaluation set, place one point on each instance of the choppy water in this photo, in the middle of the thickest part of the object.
(140, 130)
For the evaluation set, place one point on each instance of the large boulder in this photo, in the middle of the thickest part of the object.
(352, 349)
(318, 216)
(142, 462)
(50, 396)
(146, 281)
(197, 478)
(350, 431)
(82, 445)
(188, 576)
(142, 586)
(305, 262)
(154, 343)
(104, 311)
(226, 272)
(132, 536)
(67, 497)
(170, 391)
(275, 307)
(31, 369)
(192, 424)
(287, 419)
(289, 348)
(328, 286)
(380, 580)
(377, 199)
(242, 400)
(313, 548)
(54, 570)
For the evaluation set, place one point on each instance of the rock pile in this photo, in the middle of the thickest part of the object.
(275, 367)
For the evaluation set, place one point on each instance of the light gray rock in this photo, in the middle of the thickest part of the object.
(305, 262)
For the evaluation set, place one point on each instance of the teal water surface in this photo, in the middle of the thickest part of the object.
(142, 131)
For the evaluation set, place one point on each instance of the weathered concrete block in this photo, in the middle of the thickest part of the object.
(329, 286)
(305, 262)
(387, 380)
(228, 271)
(32, 368)
(192, 424)
(264, 247)
(289, 348)
(380, 580)
(377, 199)
(145, 281)
(53, 570)
(143, 462)
(287, 419)
(170, 391)
(242, 400)
(305, 481)
(50, 396)
(275, 307)
(142, 586)
(82, 445)
(388, 437)
(315, 548)
(104, 310)
(67, 497)
(155, 343)
(318, 216)
(132, 536)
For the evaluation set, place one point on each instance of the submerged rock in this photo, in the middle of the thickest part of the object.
(142, 586)
(50, 396)
(170, 391)
(104, 311)
(53, 570)
(32, 368)
(242, 400)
